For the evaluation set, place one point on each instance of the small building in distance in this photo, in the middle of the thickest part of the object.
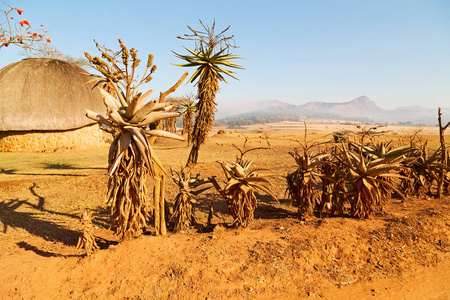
(42, 107)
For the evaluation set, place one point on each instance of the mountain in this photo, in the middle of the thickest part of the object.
(360, 109)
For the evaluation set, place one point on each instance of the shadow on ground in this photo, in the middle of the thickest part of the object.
(33, 223)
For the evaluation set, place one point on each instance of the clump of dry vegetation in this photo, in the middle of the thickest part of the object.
(303, 183)
(334, 188)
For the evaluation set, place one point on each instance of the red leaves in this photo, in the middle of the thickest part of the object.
(19, 11)
(48, 40)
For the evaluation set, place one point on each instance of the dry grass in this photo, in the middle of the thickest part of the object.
(21, 165)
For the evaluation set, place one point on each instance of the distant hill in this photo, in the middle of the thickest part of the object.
(360, 109)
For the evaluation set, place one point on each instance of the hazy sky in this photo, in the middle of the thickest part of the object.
(395, 52)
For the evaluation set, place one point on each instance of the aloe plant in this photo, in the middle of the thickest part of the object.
(130, 157)
(212, 59)
(364, 175)
(87, 240)
(302, 183)
(384, 150)
(188, 109)
(239, 191)
(422, 171)
(183, 211)
(241, 184)
(335, 193)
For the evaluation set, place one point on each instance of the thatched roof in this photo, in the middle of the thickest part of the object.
(45, 94)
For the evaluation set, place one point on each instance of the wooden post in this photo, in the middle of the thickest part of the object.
(443, 153)
(157, 212)
(162, 210)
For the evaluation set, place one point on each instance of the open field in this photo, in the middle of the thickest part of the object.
(402, 252)
(324, 126)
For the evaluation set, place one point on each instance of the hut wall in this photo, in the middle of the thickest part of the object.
(87, 137)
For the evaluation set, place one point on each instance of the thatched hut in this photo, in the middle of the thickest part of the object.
(42, 107)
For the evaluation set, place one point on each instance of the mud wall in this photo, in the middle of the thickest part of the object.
(88, 137)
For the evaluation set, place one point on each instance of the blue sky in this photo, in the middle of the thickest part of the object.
(395, 52)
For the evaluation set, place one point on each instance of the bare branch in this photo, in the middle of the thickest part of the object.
(208, 37)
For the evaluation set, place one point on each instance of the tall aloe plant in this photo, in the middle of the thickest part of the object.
(188, 108)
(131, 156)
(212, 59)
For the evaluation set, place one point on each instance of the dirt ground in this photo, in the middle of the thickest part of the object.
(402, 252)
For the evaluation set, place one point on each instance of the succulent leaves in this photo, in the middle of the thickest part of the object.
(382, 150)
(207, 61)
(134, 115)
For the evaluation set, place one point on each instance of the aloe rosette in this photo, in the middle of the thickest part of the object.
(365, 176)
(239, 190)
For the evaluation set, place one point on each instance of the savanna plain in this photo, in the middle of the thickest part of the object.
(399, 252)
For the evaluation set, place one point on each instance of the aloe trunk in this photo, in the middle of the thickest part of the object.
(208, 85)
